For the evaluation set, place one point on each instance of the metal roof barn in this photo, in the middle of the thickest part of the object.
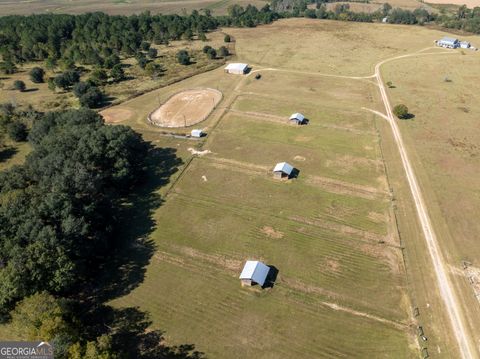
(254, 271)
(196, 133)
(297, 117)
(236, 68)
(448, 42)
(283, 167)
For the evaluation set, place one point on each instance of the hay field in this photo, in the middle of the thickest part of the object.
(341, 288)
(118, 7)
(332, 47)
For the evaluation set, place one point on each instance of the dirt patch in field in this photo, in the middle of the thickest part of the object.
(193, 151)
(271, 232)
(186, 108)
(303, 138)
(332, 265)
(299, 158)
(116, 114)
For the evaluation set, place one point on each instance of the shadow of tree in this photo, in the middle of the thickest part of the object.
(7, 153)
(125, 269)
(129, 328)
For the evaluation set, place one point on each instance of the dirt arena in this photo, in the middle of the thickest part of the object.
(186, 108)
(117, 114)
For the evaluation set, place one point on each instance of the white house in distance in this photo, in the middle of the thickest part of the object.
(298, 118)
(254, 272)
(197, 133)
(236, 68)
(282, 169)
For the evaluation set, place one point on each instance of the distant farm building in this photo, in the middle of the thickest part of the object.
(298, 118)
(236, 68)
(449, 43)
(282, 170)
(254, 272)
(197, 133)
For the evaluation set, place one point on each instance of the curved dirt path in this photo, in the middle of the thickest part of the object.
(447, 292)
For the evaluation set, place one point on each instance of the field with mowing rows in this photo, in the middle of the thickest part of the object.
(340, 288)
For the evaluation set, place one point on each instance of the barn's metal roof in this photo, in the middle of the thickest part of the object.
(236, 66)
(197, 133)
(256, 271)
(449, 40)
(283, 167)
(297, 116)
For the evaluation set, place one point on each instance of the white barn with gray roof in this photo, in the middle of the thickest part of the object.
(282, 169)
(254, 272)
(448, 42)
(298, 118)
(236, 68)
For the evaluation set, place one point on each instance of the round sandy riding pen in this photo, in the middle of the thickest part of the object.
(186, 108)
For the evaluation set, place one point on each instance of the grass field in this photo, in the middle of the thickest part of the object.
(331, 232)
(443, 139)
(341, 287)
(119, 7)
(341, 48)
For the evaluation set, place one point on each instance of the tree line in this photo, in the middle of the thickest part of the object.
(463, 19)
(98, 38)
(60, 243)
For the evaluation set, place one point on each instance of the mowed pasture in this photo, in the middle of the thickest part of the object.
(341, 288)
(341, 285)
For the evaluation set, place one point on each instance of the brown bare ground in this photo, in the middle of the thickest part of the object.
(271, 232)
(186, 108)
(116, 115)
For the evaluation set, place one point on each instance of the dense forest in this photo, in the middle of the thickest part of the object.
(62, 252)
(95, 38)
